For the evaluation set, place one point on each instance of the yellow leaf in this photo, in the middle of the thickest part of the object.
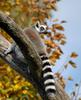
(58, 36)
(25, 91)
(1, 85)
(51, 43)
(55, 20)
(70, 78)
(73, 55)
(62, 42)
(17, 2)
(46, 1)
(16, 87)
(58, 26)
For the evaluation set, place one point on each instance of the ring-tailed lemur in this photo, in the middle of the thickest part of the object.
(47, 74)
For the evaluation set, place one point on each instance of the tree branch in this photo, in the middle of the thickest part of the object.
(17, 61)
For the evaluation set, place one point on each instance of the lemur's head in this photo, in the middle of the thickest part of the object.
(40, 28)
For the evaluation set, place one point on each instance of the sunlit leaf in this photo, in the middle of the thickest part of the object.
(73, 55)
(58, 36)
(17, 2)
(7, 12)
(50, 43)
(58, 26)
(62, 42)
(70, 78)
(54, 20)
(46, 1)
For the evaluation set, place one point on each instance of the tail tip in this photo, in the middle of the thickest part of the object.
(51, 96)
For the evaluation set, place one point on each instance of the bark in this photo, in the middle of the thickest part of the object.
(31, 66)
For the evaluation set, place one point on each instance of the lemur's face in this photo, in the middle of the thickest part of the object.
(40, 28)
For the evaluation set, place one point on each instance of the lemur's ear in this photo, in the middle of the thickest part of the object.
(37, 24)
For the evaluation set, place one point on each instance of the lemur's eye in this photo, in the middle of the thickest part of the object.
(41, 28)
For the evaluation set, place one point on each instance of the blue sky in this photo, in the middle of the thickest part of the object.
(70, 10)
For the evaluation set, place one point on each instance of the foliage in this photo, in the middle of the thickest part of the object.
(13, 86)
(25, 13)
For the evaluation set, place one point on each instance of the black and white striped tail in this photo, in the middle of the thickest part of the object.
(48, 77)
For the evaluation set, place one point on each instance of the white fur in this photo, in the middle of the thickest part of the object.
(47, 74)
(39, 25)
(46, 67)
(44, 61)
(49, 81)
(50, 87)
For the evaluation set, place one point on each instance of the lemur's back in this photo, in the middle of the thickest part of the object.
(36, 40)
